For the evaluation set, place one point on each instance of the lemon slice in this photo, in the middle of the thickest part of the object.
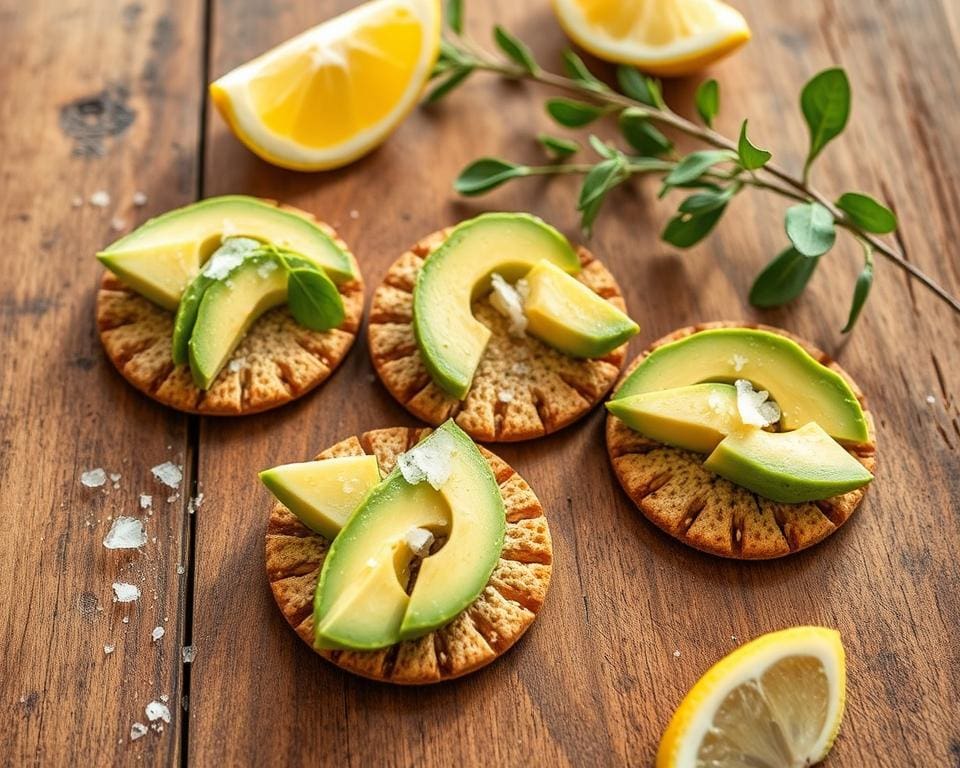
(664, 37)
(776, 702)
(334, 92)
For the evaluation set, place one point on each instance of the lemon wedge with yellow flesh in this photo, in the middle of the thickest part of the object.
(334, 92)
(663, 37)
(776, 702)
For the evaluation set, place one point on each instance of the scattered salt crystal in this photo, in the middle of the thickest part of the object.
(115, 477)
(157, 710)
(146, 501)
(109, 648)
(125, 593)
(100, 199)
(931, 399)
(754, 407)
(168, 473)
(180, 570)
(506, 299)
(236, 363)
(125, 533)
(137, 730)
(266, 269)
(188, 653)
(229, 256)
(117, 224)
(738, 361)
(354, 214)
(431, 460)
(94, 478)
(126, 619)
(717, 404)
(139, 199)
(419, 540)
(349, 485)
(157, 633)
(77, 201)
(198, 500)
(520, 369)
(172, 498)
(676, 654)
(733, 638)
(505, 397)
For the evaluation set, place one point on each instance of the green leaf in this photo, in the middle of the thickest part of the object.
(458, 75)
(602, 149)
(641, 134)
(578, 71)
(704, 202)
(454, 16)
(685, 230)
(557, 147)
(516, 50)
(633, 83)
(485, 174)
(783, 279)
(603, 177)
(751, 157)
(313, 299)
(694, 165)
(825, 102)
(810, 228)
(571, 113)
(860, 292)
(867, 213)
(708, 101)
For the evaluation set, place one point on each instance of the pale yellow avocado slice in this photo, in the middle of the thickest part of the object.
(564, 313)
(323, 494)
(790, 467)
(361, 602)
(450, 338)
(804, 389)
(160, 274)
(695, 418)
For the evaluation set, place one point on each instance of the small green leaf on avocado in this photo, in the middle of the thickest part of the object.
(313, 299)
(571, 113)
(811, 229)
(485, 174)
(515, 49)
(783, 279)
(751, 157)
(708, 101)
(867, 213)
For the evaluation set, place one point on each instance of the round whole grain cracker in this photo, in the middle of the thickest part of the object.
(487, 628)
(277, 361)
(522, 388)
(673, 490)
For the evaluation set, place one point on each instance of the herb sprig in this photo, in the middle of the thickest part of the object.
(714, 176)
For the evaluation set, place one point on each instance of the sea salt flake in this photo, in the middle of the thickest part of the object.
(229, 256)
(266, 269)
(188, 653)
(126, 619)
(504, 396)
(146, 501)
(181, 570)
(198, 500)
(117, 224)
(139, 199)
(137, 730)
(738, 361)
(100, 199)
(419, 540)
(168, 473)
(157, 633)
(115, 477)
(236, 363)
(431, 460)
(109, 648)
(508, 301)
(164, 698)
(157, 710)
(676, 654)
(125, 593)
(93, 478)
(931, 399)
(754, 407)
(125, 533)
(354, 214)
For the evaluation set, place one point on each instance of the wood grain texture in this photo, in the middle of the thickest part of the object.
(93, 96)
(596, 679)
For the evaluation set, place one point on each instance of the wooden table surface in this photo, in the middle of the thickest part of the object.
(597, 677)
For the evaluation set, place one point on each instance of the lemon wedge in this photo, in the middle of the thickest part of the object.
(334, 92)
(776, 702)
(663, 37)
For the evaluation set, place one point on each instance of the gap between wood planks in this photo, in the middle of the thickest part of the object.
(192, 463)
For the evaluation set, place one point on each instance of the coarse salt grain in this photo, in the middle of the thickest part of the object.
(236, 364)
(676, 654)
(139, 199)
(117, 224)
(931, 399)
(507, 300)
(188, 653)
(137, 730)
(738, 361)
(109, 648)
(125, 593)
(754, 407)
(146, 501)
(229, 256)
(100, 199)
(419, 540)
(157, 710)
(431, 460)
(504, 396)
(157, 633)
(93, 478)
(125, 533)
(168, 473)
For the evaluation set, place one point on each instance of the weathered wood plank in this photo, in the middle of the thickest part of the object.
(95, 96)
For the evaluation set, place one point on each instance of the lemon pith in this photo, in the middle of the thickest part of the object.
(336, 91)
(775, 701)
(664, 37)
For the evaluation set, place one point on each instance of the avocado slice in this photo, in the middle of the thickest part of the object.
(804, 389)
(694, 418)
(323, 494)
(159, 258)
(450, 339)
(361, 602)
(790, 467)
(564, 313)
